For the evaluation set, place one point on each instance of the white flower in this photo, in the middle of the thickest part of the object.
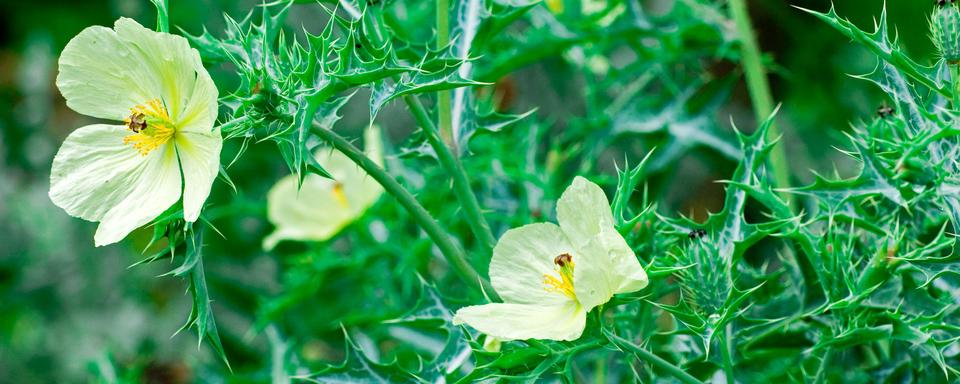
(550, 276)
(126, 175)
(323, 206)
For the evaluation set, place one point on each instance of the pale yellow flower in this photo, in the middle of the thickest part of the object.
(555, 6)
(550, 276)
(124, 176)
(322, 206)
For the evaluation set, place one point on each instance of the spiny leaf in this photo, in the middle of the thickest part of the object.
(358, 368)
(880, 44)
(201, 314)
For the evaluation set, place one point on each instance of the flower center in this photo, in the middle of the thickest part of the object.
(564, 269)
(339, 195)
(151, 126)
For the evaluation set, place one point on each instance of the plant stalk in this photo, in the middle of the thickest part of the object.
(727, 351)
(759, 88)
(824, 362)
(163, 16)
(461, 182)
(444, 104)
(450, 250)
(955, 77)
(652, 359)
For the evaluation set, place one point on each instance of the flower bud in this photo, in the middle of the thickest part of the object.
(945, 30)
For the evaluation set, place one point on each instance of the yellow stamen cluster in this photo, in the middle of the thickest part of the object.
(151, 126)
(564, 284)
(339, 195)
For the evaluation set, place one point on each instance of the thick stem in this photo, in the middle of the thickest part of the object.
(450, 250)
(727, 350)
(759, 88)
(163, 18)
(652, 359)
(824, 363)
(444, 105)
(600, 377)
(461, 182)
(955, 77)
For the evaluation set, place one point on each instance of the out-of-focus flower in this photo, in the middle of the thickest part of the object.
(322, 206)
(492, 344)
(124, 176)
(555, 6)
(550, 276)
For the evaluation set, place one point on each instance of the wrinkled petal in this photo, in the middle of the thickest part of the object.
(628, 274)
(95, 176)
(322, 206)
(174, 65)
(608, 267)
(199, 155)
(357, 188)
(104, 72)
(102, 76)
(525, 321)
(200, 113)
(583, 210)
(594, 278)
(313, 213)
(522, 258)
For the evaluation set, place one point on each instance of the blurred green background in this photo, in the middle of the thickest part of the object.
(70, 312)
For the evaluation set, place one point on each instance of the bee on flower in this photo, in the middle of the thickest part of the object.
(166, 149)
(550, 276)
(321, 207)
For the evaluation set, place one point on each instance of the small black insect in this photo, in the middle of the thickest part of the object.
(884, 111)
(697, 233)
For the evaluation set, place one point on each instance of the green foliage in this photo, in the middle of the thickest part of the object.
(850, 275)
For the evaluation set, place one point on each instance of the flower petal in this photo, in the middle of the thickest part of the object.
(608, 267)
(525, 321)
(521, 259)
(583, 210)
(360, 189)
(102, 76)
(594, 278)
(175, 66)
(199, 114)
(313, 212)
(629, 275)
(322, 207)
(199, 155)
(95, 176)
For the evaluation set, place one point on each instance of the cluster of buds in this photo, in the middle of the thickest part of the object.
(945, 30)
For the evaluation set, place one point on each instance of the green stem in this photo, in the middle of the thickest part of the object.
(824, 362)
(461, 182)
(163, 18)
(652, 359)
(727, 350)
(955, 76)
(443, 97)
(601, 370)
(759, 87)
(450, 250)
